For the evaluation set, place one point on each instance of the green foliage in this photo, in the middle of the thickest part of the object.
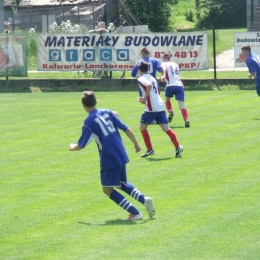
(32, 49)
(221, 14)
(189, 15)
(14, 6)
(155, 13)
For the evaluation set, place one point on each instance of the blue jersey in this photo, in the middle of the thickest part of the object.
(102, 125)
(154, 65)
(253, 64)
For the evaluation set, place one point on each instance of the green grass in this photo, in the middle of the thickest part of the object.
(207, 202)
(178, 19)
(192, 74)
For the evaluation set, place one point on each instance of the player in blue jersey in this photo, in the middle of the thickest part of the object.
(154, 111)
(102, 125)
(154, 64)
(253, 64)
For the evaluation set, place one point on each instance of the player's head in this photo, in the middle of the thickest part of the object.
(143, 67)
(145, 52)
(246, 48)
(166, 57)
(88, 99)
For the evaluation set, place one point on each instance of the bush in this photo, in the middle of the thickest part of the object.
(189, 15)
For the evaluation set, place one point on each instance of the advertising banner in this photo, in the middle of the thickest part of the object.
(251, 38)
(119, 52)
(13, 58)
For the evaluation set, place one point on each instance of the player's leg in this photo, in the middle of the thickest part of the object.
(168, 105)
(258, 90)
(112, 178)
(131, 190)
(180, 99)
(162, 120)
(146, 119)
(184, 113)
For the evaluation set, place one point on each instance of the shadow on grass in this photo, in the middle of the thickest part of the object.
(158, 159)
(173, 127)
(115, 222)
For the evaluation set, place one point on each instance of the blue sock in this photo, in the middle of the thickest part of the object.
(120, 200)
(133, 192)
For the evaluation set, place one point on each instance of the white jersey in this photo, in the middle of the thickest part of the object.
(171, 73)
(154, 102)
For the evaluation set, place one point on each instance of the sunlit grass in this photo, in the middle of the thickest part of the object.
(207, 202)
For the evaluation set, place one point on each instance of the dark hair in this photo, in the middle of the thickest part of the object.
(246, 47)
(166, 56)
(88, 99)
(143, 66)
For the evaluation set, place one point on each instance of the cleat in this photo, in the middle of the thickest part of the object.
(170, 117)
(179, 151)
(187, 123)
(148, 203)
(150, 152)
(135, 217)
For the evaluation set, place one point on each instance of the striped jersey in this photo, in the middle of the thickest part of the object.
(154, 102)
(172, 74)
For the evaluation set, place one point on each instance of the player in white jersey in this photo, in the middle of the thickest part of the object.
(154, 110)
(174, 87)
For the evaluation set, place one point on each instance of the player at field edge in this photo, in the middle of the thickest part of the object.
(154, 110)
(174, 87)
(101, 28)
(253, 63)
(102, 125)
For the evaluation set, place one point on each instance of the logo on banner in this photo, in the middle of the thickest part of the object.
(72, 55)
(89, 55)
(105, 55)
(54, 55)
(122, 54)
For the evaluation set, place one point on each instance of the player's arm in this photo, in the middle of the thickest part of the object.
(252, 74)
(162, 79)
(143, 99)
(74, 147)
(85, 139)
(132, 137)
(134, 71)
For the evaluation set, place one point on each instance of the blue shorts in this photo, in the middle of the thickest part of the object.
(177, 91)
(112, 177)
(148, 117)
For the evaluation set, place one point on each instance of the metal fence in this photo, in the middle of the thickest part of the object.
(85, 15)
(220, 53)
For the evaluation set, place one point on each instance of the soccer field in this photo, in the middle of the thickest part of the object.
(207, 202)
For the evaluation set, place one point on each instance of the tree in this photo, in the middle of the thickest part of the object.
(155, 13)
(197, 3)
(222, 14)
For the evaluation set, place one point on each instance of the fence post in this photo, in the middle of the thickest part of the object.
(6, 78)
(1, 16)
(214, 54)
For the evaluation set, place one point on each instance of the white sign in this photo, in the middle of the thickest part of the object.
(118, 51)
(251, 38)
